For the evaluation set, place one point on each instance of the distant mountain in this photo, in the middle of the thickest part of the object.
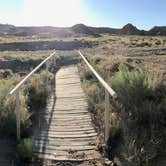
(129, 29)
(83, 29)
(102, 30)
(158, 30)
(76, 30)
(6, 28)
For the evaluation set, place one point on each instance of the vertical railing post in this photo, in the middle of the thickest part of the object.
(107, 115)
(47, 66)
(54, 60)
(18, 113)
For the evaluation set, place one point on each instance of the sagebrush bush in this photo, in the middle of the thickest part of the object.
(133, 87)
(7, 109)
(37, 92)
(10, 117)
(33, 96)
(99, 67)
(25, 151)
(143, 115)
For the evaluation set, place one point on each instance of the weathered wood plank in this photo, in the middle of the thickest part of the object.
(67, 132)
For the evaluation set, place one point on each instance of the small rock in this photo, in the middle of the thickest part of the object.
(108, 163)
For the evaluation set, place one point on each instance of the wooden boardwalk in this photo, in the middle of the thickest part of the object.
(67, 132)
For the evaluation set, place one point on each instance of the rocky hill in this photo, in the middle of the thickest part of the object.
(158, 30)
(76, 30)
(129, 29)
(83, 29)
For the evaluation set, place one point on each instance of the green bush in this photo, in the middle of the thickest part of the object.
(10, 117)
(133, 87)
(25, 150)
(99, 67)
(7, 109)
(143, 118)
(33, 96)
(37, 92)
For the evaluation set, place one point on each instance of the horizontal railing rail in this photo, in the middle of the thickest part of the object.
(108, 92)
(100, 79)
(16, 90)
(30, 74)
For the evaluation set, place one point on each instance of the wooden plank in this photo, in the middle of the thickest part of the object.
(65, 119)
(64, 139)
(63, 152)
(64, 112)
(79, 124)
(62, 142)
(69, 129)
(65, 147)
(67, 124)
(71, 125)
(68, 132)
(66, 157)
(68, 136)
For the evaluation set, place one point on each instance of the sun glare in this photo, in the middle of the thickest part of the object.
(52, 12)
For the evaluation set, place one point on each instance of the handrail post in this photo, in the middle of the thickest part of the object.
(17, 109)
(107, 115)
(47, 66)
(54, 59)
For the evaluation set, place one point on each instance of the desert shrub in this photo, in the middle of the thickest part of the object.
(133, 87)
(37, 92)
(5, 85)
(7, 109)
(93, 91)
(99, 67)
(94, 96)
(86, 74)
(25, 151)
(96, 105)
(5, 73)
(158, 42)
(10, 117)
(144, 44)
(115, 135)
(143, 115)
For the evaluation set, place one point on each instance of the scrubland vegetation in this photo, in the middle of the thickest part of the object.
(137, 132)
(32, 93)
(134, 66)
(33, 98)
(137, 73)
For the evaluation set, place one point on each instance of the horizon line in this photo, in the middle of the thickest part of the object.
(95, 26)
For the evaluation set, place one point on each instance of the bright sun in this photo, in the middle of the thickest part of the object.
(52, 12)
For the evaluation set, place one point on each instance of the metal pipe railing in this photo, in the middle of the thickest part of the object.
(16, 90)
(108, 92)
(29, 75)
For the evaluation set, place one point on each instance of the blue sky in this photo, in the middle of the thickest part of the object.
(113, 13)
(116, 13)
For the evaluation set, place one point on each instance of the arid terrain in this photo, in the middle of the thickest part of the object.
(21, 49)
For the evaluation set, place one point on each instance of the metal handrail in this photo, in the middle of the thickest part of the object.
(29, 75)
(100, 79)
(16, 91)
(108, 92)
